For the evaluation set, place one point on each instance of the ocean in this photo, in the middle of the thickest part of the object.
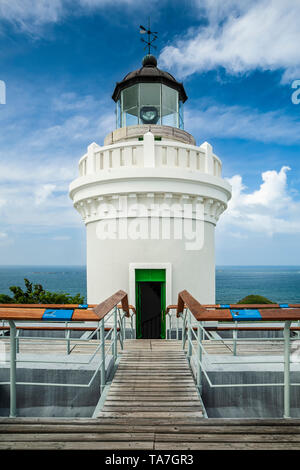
(278, 283)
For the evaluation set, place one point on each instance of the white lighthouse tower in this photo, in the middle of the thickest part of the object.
(150, 199)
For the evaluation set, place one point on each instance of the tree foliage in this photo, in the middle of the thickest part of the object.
(255, 299)
(36, 294)
(5, 299)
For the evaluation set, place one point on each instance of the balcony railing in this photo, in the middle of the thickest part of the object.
(192, 321)
(111, 325)
(164, 154)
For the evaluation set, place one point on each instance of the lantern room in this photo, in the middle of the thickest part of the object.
(149, 96)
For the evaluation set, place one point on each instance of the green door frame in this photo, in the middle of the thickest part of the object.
(153, 275)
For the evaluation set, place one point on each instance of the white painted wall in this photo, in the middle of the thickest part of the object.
(146, 172)
(108, 263)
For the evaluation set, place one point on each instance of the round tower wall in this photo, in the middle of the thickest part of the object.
(111, 264)
(150, 205)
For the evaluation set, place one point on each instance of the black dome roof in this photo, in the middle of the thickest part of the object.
(149, 73)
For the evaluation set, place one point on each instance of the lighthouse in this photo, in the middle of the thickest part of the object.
(150, 199)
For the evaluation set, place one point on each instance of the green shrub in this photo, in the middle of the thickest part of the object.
(5, 299)
(36, 294)
(255, 299)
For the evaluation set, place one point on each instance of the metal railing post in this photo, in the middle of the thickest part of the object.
(183, 333)
(115, 341)
(235, 335)
(124, 328)
(13, 370)
(189, 325)
(199, 340)
(287, 371)
(17, 341)
(102, 349)
(68, 332)
(131, 324)
(121, 323)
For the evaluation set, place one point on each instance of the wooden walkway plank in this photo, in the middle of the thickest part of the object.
(84, 445)
(226, 446)
(150, 414)
(146, 374)
(152, 404)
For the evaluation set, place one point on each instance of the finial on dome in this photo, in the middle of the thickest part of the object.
(149, 61)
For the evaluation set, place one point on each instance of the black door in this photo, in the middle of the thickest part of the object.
(150, 308)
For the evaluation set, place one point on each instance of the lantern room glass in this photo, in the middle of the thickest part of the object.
(149, 103)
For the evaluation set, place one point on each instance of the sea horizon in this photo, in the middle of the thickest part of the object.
(279, 283)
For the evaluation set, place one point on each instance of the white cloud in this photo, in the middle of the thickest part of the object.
(268, 210)
(40, 159)
(70, 101)
(243, 123)
(217, 10)
(85, 124)
(102, 3)
(61, 238)
(23, 11)
(241, 37)
(30, 15)
(272, 191)
(36, 195)
(30, 208)
(5, 240)
(32, 170)
(43, 192)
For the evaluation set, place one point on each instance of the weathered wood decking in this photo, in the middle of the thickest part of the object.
(152, 404)
(249, 348)
(157, 434)
(153, 380)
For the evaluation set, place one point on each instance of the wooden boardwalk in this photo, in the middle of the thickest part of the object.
(248, 348)
(144, 434)
(153, 380)
(152, 404)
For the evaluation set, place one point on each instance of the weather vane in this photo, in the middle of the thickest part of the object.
(152, 36)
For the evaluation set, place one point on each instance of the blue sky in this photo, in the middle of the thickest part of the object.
(60, 60)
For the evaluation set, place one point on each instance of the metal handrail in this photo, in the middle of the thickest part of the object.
(131, 307)
(239, 306)
(56, 306)
(108, 309)
(188, 309)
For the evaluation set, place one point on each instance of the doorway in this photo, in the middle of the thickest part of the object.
(150, 303)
